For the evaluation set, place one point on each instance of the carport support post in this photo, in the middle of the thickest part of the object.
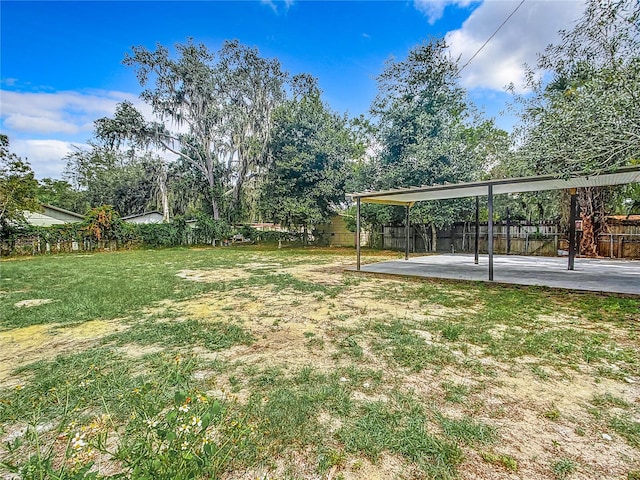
(406, 235)
(490, 233)
(508, 232)
(477, 236)
(358, 234)
(572, 229)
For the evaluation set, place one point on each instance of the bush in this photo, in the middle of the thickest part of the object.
(208, 230)
(162, 234)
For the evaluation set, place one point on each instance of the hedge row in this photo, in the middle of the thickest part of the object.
(103, 229)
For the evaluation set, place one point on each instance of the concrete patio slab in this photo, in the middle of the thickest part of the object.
(594, 275)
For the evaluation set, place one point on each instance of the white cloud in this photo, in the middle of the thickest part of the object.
(534, 26)
(66, 112)
(273, 4)
(44, 126)
(434, 9)
(45, 156)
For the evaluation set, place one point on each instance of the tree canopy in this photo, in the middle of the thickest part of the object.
(311, 147)
(18, 186)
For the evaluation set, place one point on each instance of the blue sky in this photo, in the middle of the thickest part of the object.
(61, 63)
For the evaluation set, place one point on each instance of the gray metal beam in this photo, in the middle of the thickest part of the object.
(490, 225)
(572, 229)
(508, 232)
(406, 234)
(358, 234)
(476, 242)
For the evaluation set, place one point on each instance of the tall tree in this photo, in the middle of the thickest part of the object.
(587, 117)
(310, 149)
(18, 186)
(107, 176)
(214, 114)
(61, 194)
(429, 132)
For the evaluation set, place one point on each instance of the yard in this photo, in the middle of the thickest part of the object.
(249, 362)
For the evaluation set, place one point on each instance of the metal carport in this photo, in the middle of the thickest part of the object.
(408, 196)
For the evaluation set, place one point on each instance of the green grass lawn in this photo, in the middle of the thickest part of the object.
(262, 363)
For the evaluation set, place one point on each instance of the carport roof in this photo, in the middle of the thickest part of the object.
(408, 196)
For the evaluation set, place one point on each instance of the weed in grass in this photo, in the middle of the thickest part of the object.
(454, 392)
(182, 333)
(466, 431)
(283, 281)
(287, 415)
(329, 458)
(595, 412)
(408, 349)
(507, 461)
(315, 343)
(447, 297)
(452, 331)
(380, 426)
(235, 383)
(626, 427)
(360, 375)
(552, 414)
(269, 377)
(609, 400)
(539, 372)
(350, 347)
(563, 468)
(610, 309)
(143, 426)
(608, 372)
(351, 280)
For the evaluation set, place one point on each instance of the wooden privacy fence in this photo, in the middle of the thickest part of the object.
(524, 239)
(619, 245)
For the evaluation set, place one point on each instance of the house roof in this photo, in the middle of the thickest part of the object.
(136, 215)
(408, 196)
(62, 210)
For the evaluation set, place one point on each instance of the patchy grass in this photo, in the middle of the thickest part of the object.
(250, 362)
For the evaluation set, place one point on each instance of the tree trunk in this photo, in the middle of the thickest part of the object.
(215, 209)
(592, 201)
(162, 185)
(434, 237)
(588, 244)
(422, 231)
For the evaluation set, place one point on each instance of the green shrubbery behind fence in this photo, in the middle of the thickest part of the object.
(104, 231)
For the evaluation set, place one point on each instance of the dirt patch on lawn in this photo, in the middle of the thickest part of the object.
(33, 302)
(217, 275)
(22, 346)
(545, 421)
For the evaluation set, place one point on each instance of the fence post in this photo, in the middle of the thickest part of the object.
(621, 247)
(611, 245)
